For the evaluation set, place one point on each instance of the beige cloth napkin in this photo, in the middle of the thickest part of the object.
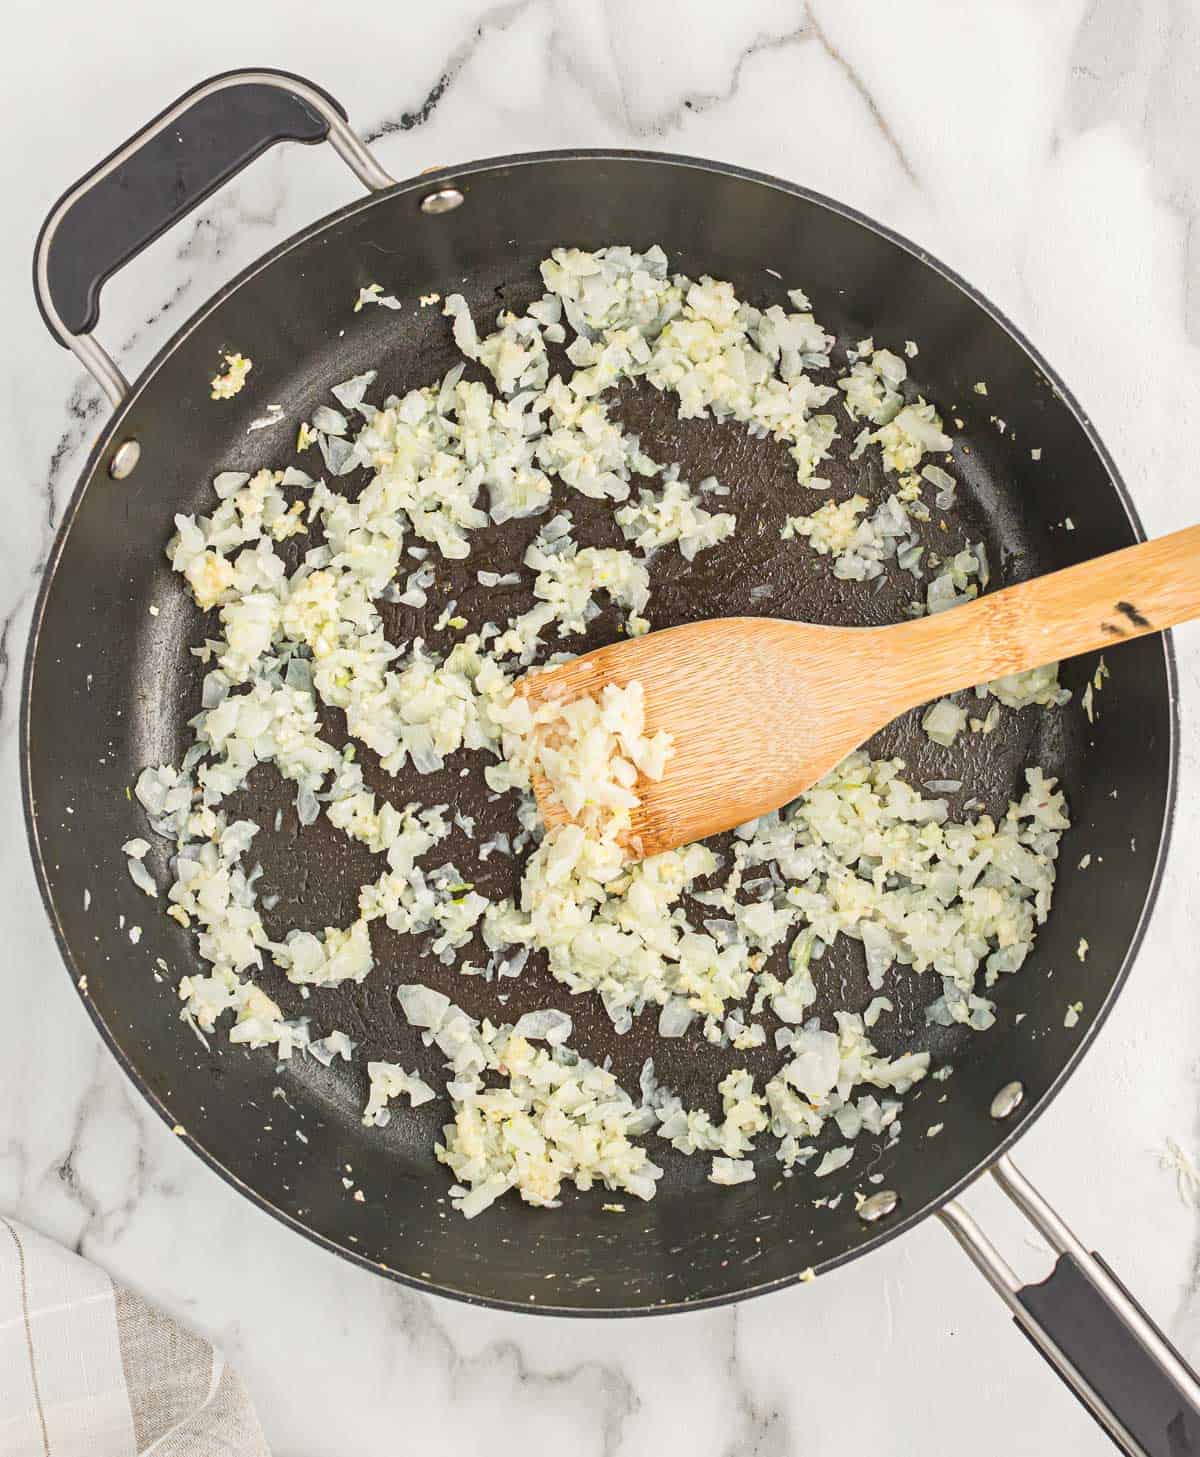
(90, 1370)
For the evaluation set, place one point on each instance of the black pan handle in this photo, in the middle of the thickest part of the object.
(1150, 1401)
(1092, 1331)
(164, 171)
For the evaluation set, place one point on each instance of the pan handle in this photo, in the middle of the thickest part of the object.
(158, 176)
(1091, 1330)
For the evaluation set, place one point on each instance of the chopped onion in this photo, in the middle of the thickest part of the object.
(944, 722)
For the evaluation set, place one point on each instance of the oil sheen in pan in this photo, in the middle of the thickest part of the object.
(316, 872)
(693, 1243)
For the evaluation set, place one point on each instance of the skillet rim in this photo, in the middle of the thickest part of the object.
(97, 456)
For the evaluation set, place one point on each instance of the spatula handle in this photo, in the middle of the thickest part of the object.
(1096, 604)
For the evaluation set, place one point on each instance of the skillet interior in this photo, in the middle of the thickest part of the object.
(88, 736)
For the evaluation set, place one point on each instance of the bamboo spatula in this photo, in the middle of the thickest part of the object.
(760, 709)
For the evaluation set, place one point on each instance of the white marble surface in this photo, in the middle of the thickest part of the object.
(1050, 151)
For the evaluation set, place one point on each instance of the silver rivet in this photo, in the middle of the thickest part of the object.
(446, 199)
(878, 1205)
(126, 458)
(1007, 1100)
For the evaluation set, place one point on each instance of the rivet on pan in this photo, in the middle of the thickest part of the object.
(126, 458)
(878, 1206)
(446, 199)
(1007, 1100)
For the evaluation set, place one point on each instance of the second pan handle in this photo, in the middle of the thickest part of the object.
(157, 177)
(1091, 1331)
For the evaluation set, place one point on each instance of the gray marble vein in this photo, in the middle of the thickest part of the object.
(601, 1389)
(84, 411)
(105, 1187)
(1049, 152)
(495, 17)
(864, 95)
(763, 1428)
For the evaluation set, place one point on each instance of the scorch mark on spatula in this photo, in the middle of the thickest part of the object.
(1127, 609)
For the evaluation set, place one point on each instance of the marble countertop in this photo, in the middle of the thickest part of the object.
(1051, 154)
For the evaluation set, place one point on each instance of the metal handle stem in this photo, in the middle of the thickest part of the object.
(1090, 1329)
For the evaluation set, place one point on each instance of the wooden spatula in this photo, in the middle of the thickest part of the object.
(760, 709)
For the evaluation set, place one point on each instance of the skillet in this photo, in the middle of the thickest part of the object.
(109, 688)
